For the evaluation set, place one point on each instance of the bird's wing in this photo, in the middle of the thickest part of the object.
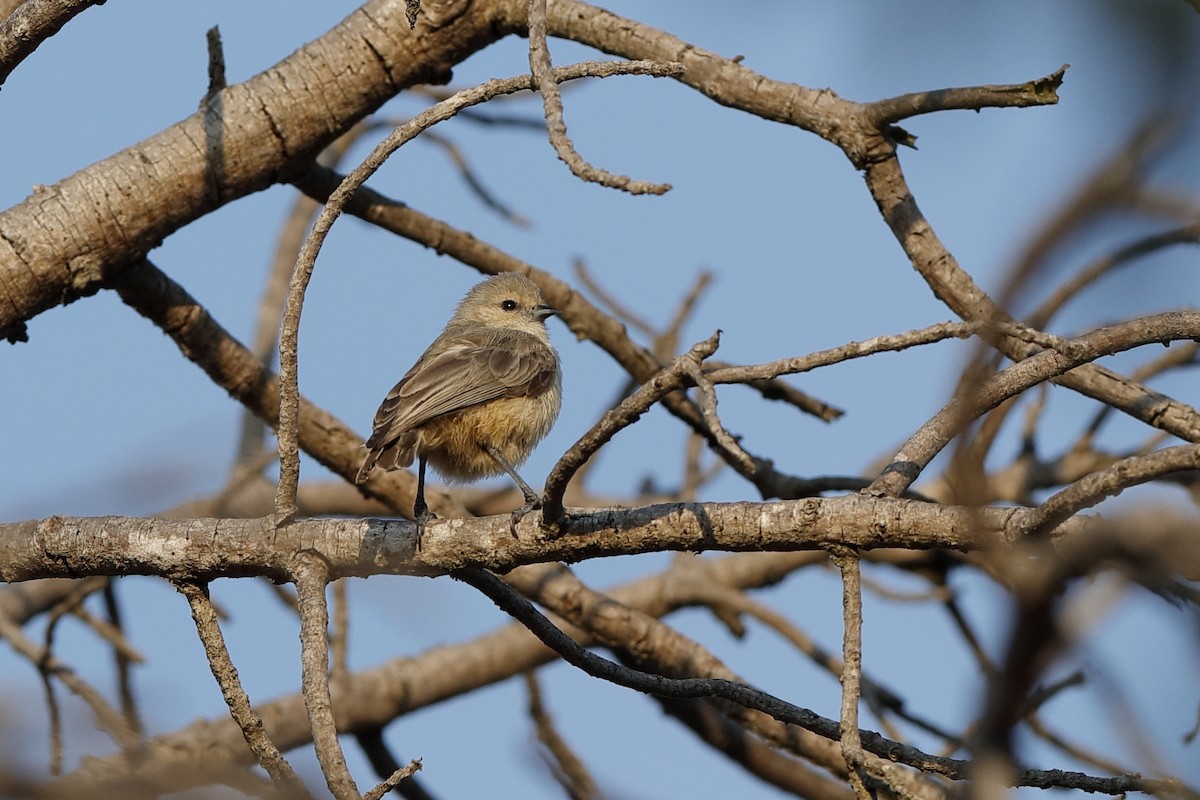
(461, 371)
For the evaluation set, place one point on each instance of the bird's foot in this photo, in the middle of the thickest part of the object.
(420, 517)
(532, 503)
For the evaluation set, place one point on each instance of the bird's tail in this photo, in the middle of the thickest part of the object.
(397, 454)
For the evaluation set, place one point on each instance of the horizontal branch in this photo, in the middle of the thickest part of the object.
(202, 549)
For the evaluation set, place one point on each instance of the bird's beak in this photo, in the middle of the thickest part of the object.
(541, 312)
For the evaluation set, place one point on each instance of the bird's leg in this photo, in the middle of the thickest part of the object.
(533, 500)
(421, 512)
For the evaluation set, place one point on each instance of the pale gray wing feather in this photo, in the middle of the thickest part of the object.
(462, 370)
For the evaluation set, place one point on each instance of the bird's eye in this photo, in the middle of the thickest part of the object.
(509, 305)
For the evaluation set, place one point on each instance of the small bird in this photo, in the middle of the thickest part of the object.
(479, 398)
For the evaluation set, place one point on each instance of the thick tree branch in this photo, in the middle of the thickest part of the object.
(202, 549)
(67, 240)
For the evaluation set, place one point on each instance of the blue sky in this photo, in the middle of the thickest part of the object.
(104, 417)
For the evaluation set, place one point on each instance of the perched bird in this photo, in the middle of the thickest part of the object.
(479, 398)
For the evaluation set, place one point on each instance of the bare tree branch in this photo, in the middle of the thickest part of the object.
(372, 698)
(312, 576)
(625, 414)
(29, 24)
(546, 82)
(209, 548)
(1050, 364)
(265, 751)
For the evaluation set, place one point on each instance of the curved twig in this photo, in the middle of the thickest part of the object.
(546, 82)
(1109, 482)
(1068, 354)
(625, 414)
(30, 24)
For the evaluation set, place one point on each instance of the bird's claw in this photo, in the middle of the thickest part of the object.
(420, 517)
(531, 504)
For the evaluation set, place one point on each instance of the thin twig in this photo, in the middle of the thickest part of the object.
(1188, 234)
(1190, 736)
(311, 577)
(112, 722)
(625, 414)
(265, 752)
(1043, 694)
(1117, 184)
(339, 636)
(396, 779)
(216, 63)
(56, 726)
(474, 183)
(614, 306)
(459, 159)
(1109, 482)
(667, 342)
(847, 562)
(110, 633)
(568, 768)
(546, 81)
(851, 350)
(708, 407)
(386, 766)
(1076, 752)
(967, 631)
